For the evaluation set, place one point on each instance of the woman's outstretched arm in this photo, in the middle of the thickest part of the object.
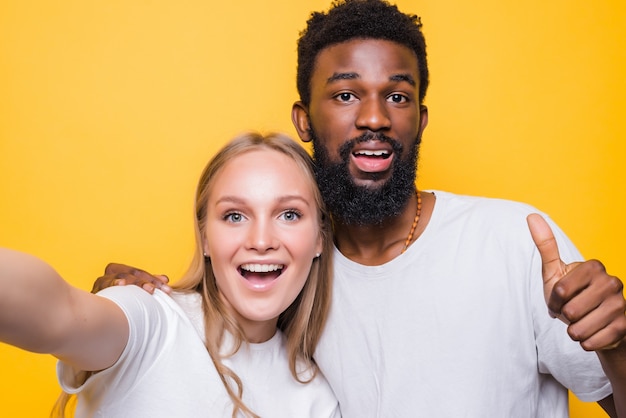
(41, 312)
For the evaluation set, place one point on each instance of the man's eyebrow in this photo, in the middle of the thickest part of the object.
(353, 76)
(342, 76)
(403, 77)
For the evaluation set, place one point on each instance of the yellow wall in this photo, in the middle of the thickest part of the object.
(108, 111)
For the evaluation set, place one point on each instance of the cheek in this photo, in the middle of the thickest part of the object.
(340, 126)
(303, 242)
(219, 269)
(406, 125)
(333, 122)
(298, 282)
(221, 251)
(221, 240)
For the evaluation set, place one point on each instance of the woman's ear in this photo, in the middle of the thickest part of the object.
(320, 245)
(205, 248)
(300, 120)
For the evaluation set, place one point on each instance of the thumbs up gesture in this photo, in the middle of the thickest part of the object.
(580, 294)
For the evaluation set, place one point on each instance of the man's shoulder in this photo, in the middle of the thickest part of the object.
(491, 205)
(481, 213)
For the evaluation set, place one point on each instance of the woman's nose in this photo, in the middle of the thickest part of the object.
(262, 237)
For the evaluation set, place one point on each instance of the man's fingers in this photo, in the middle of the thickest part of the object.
(122, 275)
(552, 266)
(145, 280)
(107, 281)
(115, 268)
(163, 278)
(163, 284)
(148, 287)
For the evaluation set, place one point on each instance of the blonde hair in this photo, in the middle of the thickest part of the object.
(303, 321)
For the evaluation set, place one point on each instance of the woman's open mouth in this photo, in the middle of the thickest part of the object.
(260, 275)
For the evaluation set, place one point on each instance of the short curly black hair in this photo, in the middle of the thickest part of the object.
(365, 19)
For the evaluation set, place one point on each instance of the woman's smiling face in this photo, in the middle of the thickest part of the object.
(262, 233)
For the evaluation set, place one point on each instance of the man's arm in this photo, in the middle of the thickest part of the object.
(122, 275)
(614, 365)
(592, 304)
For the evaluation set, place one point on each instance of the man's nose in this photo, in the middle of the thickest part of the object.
(373, 114)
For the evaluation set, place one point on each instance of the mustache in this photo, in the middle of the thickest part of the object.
(346, 148)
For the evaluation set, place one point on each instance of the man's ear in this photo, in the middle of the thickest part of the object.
(300, 119)
(423, 119)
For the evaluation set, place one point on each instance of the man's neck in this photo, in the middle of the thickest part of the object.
(373, 245)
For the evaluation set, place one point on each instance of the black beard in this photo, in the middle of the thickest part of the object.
(358, 205)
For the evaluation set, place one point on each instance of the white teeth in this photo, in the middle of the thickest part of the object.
(261, 268)
(372, 153)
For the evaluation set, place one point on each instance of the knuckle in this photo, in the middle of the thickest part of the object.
(596, 266)
(588, 346)
(573, 332)
(109, 268)
(560, 289)
(615, 284)
(570, 313)
(612, 287)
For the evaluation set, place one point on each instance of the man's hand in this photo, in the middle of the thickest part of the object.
(582, 295)
(122, 275)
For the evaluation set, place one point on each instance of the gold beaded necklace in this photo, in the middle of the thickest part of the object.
(415, 221)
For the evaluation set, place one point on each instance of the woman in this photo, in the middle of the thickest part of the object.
(238, 334)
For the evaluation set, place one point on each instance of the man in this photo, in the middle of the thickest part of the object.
(439, 305)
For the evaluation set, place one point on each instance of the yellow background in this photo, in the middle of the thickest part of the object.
(109, 110)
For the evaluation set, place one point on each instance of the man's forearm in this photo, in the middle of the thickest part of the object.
(614, 365)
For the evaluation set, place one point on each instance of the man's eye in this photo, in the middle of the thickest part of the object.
(290, 215)
(398, 98)
(234, 217)
(345, 97)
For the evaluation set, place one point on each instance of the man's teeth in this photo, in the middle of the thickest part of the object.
(261, 268)
(368, 153)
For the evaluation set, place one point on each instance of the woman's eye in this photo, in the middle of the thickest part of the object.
(398, 98)
(234, 217)
(290, 215)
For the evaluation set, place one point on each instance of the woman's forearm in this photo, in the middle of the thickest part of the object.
(41, 312)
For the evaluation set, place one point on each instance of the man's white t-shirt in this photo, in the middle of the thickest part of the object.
(457, 326)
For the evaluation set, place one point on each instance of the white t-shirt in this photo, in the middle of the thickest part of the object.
(457, 326)
(165, 370)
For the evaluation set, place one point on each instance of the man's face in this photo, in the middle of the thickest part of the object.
(365, 122)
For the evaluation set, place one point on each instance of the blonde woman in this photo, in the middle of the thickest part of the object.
(238, 334)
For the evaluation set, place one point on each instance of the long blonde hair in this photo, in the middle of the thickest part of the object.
(302, 322)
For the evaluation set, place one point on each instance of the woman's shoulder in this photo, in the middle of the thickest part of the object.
(190, 302)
